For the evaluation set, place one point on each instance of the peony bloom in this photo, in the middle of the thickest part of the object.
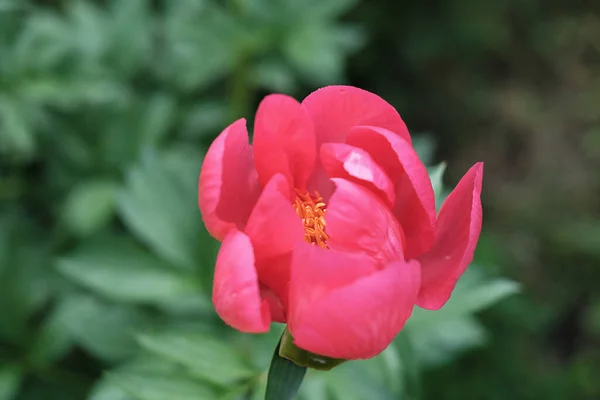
(328, 223)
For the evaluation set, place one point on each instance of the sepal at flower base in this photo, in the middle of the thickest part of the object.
(288, 350)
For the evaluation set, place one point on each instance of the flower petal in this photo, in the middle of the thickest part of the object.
(336, 109)
(415, 201)
(341, 160)
(274, 273)
(228, 186)
(274, 229)
(284, 140)
(317, 271)
(456, 236)
(275, 304)
(273, 226)
(236, 293)
(359, 221)
(349, 315)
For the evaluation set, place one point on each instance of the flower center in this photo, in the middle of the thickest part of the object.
(311, 209)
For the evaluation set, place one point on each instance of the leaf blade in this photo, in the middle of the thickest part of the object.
(202, 355)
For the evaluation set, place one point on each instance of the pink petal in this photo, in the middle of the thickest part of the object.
(341, 160)
(275, 304)
(284, 140)
(228, 186)
(317, 271)
(336, 109)
(274, 229)
(338, 309)
(456, 236)
(274, 273)
(359, 221)
(273, 226)
(236, 293)
(415, 201)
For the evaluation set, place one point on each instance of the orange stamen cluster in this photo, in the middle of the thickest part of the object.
(312, 211)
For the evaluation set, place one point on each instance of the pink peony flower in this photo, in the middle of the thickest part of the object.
(328, 223)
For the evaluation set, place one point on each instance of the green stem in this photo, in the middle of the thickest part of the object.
(239, 101)
(241, 91)
(284, 377)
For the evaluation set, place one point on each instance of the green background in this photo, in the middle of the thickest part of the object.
(106, 110)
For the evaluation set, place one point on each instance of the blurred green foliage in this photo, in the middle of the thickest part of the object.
(106, 110)
(514, 83)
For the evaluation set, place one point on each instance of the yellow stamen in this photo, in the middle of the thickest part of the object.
(311, 209)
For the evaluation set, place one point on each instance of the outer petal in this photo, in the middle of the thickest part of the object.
(336, 109)
(359, 221)
(341, 160)
(317, 271)
(236, 293)
(274, 229)
(284, 140)
(415, 201)
(349, 314)
(228, 186)
(456, 236)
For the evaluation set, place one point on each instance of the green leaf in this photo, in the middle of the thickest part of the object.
(436, 175)
(259, 389)
(202, 43)
(386, 367)
(105, 330)
(26, 283)
(17, 135)
(162, 211)
(182, 162)
(318, 51)
(120, 270)
(42, 45)
(204, 119)
(87, 24)
(468, 298)
(314, 387)
(11, 6)
(274, 75)
(108, 391)
(424, 145)
(410, 366)
(201, 355)
(53, 339)
(157, 119)
(438, 345)
(69, 94)
(8, 223)
(284, 379)
(131, 23)
(360, 379)
(438, 335)
(325, 10)
(89, 206)
(141, 365)
(10, 380)
(154, 386)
